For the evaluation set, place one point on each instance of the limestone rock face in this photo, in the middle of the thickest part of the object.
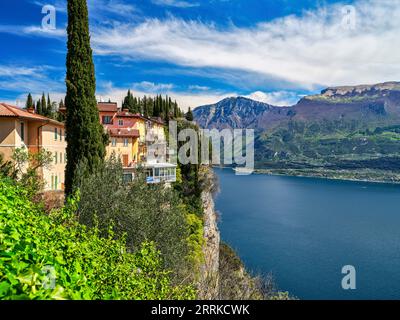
(209, 272)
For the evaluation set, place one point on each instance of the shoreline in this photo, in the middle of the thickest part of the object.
(288, 174)
(320, 175)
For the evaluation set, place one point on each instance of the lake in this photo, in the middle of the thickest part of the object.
(304, 230)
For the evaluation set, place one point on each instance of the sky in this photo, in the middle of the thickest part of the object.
(201, 51)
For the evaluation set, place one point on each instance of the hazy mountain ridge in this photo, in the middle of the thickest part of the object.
(377, 103)
(351, 131)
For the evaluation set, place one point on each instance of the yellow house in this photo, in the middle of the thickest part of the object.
(124, 143)
(137, 140)
(25, 129)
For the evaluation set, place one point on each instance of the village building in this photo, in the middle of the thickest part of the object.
(137, 141)
(24, 129)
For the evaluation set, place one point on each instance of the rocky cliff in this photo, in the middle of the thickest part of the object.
(209, 273)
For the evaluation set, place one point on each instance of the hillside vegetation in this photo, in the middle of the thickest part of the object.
(54, 257)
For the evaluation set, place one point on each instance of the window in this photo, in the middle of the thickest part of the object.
(60, 134)
(107, 120)
(55, 133)
(120, 122)
(126, 142)
(113, 142)
(22, 131)
(127, 177)
(55, 157)
(65, 157)
(52, 182)
(60, 157)
(55, 182)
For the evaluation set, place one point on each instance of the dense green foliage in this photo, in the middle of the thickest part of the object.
(157, 106)
(22, 167)
(54, 257)
(189, 187)
(45, 107)
(142, 212)
(85, 138)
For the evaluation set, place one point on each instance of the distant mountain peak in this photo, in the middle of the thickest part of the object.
(362, 102)
(369, 89)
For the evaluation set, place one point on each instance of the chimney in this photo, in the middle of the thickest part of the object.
(31, 110)
(125, 110)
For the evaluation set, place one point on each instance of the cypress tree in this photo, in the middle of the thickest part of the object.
(38, 107)
(189, 115)
(167, 109)
(44, 105)
(125, 103)
(154, 108)
(146, 110)
(85, 135)
(49, 110)
(144, 104)
(29, 102)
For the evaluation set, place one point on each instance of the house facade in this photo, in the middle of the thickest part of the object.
(138, 141)
(25, 129)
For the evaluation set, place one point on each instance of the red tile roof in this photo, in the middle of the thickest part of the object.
(107, 106)
(7, 110)
(124, 133)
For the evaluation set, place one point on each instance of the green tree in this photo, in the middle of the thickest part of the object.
(59, 115)
(167, 109)
(86, 138)
(189, 115)
(29, 102)
(38, 107)
(49, 109)
(44, 105)
(128, 102)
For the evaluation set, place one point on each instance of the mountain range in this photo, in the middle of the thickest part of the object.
(348, 129)
(369, 103)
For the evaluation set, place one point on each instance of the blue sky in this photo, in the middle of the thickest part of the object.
(202, 51)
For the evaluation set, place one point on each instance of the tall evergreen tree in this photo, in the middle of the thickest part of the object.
(38, 107)
(29, 102)
(146, 110)
(145, 101)
(156, 111)
(59, 115)
(43, 104)
(189, 115)
(167, 109)
(49, 111)
(85, 135)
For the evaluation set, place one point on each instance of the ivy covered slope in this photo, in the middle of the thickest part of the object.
(36, 248)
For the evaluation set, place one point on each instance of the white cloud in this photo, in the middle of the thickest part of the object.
(176, 3)
(310, 50)
(59, 32)
(147, 86)
(24, 79)
(276, 98)
(199, 88)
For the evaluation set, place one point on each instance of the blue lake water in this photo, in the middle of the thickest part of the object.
(305, 230)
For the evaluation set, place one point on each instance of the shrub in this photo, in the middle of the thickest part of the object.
(54, 257)
(141, 211)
